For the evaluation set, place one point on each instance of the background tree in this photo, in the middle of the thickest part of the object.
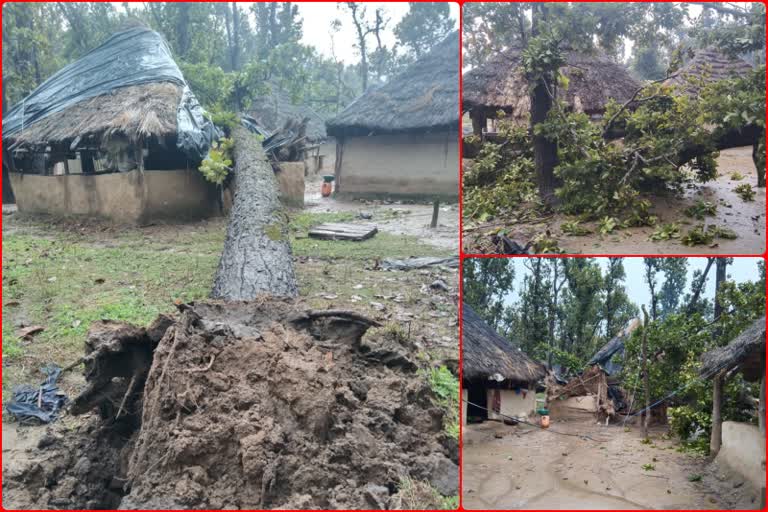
(425, 25)
(486, 283)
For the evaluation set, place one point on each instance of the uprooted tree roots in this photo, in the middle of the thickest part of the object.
(255, 404)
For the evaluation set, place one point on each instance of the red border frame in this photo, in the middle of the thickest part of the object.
(462, 255)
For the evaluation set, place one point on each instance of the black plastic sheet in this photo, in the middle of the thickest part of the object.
(132, 57)
(32, 404)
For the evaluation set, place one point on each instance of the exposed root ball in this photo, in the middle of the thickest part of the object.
(263, 405)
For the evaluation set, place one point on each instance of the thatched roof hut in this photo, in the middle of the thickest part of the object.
(709, 65)
(422, 98)
(137, 111)
(129, 87)
(486, 353)
(274, 109)
(500, 84)
(745, 352)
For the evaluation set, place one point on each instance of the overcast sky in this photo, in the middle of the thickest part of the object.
(318, 16)
(742, 269)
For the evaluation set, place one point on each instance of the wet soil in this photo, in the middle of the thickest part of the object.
(746, 219)
(531, 468)
(395, 217)
(263, 404)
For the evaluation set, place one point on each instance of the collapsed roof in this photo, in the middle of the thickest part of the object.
(485, 353)
(745, 352)
(130, 86)
(276, 108)
(424, 97)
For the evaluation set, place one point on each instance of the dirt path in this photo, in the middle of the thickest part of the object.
(746, 219)
(395, 217)
(528, 468)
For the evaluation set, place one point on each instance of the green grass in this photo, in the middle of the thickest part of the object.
(64, 278)
(446, 386)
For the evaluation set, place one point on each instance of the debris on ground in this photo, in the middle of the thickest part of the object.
(38, 404)
(418, 263)
(339, 231)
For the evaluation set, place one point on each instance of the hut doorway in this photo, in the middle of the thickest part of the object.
(477, 396)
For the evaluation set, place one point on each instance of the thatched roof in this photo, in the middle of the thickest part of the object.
(746, 351)
(710, 65)
(500, 83)
(274, 109)
(424, 97)
(603, 356)
(134, 111)
(486, 353)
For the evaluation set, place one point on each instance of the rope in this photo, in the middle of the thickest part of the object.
(520, 420)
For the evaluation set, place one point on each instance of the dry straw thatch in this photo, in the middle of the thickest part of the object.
(708, 65)
(274, 109)
(136, 111)
(485, 353)
(500, 84)
(424, 97)
(746, 351)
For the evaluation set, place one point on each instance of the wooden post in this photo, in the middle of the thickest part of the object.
(435, 212)
(716, 440)
(646, 380)
(337, 165)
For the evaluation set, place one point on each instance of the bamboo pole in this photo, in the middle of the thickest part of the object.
(646, 380)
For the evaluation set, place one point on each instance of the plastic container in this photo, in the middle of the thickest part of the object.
(327, 187)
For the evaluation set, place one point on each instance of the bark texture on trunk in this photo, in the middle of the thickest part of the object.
(717, 419)
(544, 150)
(256, 259)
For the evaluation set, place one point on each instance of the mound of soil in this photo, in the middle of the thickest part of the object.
(254, 405)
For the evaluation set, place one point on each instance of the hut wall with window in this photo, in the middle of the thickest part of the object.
(499, 380)
(401, 139)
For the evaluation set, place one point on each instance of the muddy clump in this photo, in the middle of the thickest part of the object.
(259, 404)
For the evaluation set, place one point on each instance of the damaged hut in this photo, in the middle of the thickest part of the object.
(402, 138)
(499, 380)
(739, 446)
(276, 109)
(500, 85)
(595, 393)
(115, 134)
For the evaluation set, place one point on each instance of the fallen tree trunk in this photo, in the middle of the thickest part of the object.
(256, 259)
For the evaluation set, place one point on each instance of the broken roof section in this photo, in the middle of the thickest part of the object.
(424, 97)
(486, 354)
(129, 85)
(616, 345)
(745, 352)
(708, 65)
(276, 108)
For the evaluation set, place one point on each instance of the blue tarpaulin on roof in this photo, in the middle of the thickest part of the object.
(131, 57)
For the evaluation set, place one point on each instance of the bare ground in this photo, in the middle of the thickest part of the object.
(395, 217)
(746, 219)
(531, 468)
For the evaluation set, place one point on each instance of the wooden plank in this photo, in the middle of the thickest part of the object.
(338, 231)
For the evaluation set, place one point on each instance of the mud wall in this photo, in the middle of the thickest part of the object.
(574, 408)
(126, 198)
(743, 451)
(464, 398)
(516, 404)
(409, 164)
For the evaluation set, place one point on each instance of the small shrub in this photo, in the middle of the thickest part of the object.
(649, 467)
(574, 228)
(737, 176)
(666, 232)
(745, 192)
(698, 236)
(608, 225)
(701, 209)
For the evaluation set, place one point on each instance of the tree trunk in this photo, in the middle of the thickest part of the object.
(720, 269)
(761, 406)
(758, 157)
(544, 150)
(256, 259)
(646, 379)
(700, 286)
(717, 420)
